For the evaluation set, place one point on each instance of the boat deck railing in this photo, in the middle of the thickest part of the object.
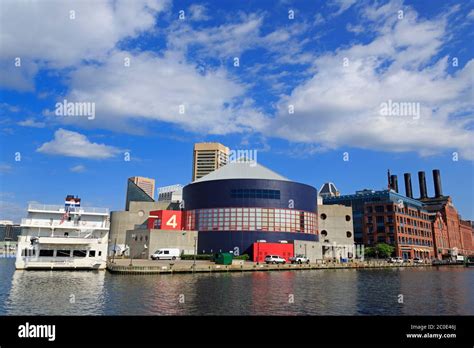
(61, 209)
(69, 234)
(27, 222)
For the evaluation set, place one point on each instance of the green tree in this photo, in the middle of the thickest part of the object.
(369, 252)
(384, 250)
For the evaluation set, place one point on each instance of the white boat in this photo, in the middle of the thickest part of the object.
(63, 237)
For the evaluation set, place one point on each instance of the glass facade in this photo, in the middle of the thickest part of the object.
(252, 193)
(9, 232)
(251, 219)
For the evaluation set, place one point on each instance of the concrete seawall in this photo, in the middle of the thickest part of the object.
(168, 267)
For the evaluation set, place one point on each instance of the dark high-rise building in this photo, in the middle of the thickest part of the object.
(136, 193)
(9, 231)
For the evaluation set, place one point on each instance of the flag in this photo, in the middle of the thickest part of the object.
(65, 215)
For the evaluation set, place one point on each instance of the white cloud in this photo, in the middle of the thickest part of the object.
(11, 211)
(318, 19)
(399, 64)
(356, 29)
(154, 88)
(470, 15)
(46, 36)
(31, 123)
(198, 13)
(9, 108)
(17, 78)
(5, 168)
(342, 5)
(228, 40)
(232, 39)
(340, 106)
(73, 144)
(78, 169)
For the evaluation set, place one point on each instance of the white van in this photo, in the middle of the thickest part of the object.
(166, 254)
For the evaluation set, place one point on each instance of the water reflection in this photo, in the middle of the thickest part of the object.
(56, 293)
(430, 291)
(438, 290)
(378, 292)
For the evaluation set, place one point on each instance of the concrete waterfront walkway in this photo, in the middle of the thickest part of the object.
(122, 266)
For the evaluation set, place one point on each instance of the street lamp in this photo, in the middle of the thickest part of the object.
(131, 253)
(115, 250)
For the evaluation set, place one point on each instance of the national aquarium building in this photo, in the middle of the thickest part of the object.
(242, 203)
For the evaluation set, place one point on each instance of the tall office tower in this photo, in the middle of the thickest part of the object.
(146, 184)
(208, 157)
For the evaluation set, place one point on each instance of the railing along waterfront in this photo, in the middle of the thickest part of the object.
(141, 266)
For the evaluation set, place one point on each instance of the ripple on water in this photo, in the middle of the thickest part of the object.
(425, 291)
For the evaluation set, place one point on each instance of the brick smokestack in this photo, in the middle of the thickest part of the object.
(437, 183)
(394, 182)
(422, 181)
(408, 188)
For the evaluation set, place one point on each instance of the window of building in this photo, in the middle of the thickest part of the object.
(253, 193)
(63, 253)
(379, 208)
(348, 218)
(250, 219)
(324, 233)
(46, 252)
(28, 252)
(79, 253)
(91, 253)
(323, 216)
(349, 234)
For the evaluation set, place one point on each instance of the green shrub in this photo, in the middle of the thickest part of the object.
(244, 257)
(198, 257)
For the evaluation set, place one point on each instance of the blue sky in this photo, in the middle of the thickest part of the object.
(309, 86)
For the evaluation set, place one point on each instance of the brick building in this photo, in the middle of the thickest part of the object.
(440, 236)
(467, 237)
(426, 227)
(405, 226)
(389, 217)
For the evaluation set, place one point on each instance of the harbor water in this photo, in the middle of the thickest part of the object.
(404, 291)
